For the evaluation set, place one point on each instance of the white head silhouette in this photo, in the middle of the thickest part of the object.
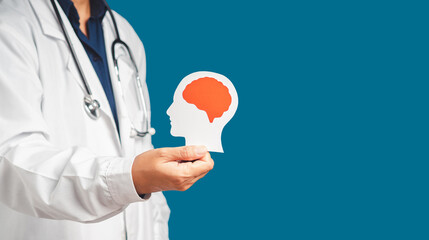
(201, 110)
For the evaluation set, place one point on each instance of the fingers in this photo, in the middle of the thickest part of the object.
(194, 180)
(186, 153)
(200, 166)
(170, 168)
(189, 182)
(191, 172)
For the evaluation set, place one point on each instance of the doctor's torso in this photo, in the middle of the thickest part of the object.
(56, 90)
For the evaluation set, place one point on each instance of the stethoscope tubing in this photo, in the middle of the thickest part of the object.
(91, 105)
(71, 47)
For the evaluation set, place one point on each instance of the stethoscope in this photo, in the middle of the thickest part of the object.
(91, 105)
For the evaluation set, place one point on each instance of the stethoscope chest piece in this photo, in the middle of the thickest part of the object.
(92, 107)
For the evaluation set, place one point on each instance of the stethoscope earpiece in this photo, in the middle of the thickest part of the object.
(136, 133)
(151, 131)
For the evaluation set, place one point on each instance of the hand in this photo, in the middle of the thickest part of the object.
(165, 169)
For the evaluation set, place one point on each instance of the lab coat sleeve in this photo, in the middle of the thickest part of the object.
(161, 211)
(37, 178)
(161, 216)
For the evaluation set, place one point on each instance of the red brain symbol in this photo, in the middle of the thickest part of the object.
(209, 95)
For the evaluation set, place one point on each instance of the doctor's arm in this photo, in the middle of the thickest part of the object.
(38, 178)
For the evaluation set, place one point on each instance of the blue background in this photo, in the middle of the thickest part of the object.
(330, 140)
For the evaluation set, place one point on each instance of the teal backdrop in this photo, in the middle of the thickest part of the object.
(330, 139)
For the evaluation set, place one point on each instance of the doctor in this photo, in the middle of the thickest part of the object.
(76, 159)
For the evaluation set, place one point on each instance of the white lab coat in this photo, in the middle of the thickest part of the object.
(63, 175)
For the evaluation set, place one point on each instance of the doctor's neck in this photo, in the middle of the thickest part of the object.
(83, 8)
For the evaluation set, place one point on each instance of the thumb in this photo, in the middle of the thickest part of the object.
(187, 153)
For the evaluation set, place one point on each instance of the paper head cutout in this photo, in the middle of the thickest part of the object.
(204, 102)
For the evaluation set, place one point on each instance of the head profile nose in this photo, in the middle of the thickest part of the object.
(169, 110)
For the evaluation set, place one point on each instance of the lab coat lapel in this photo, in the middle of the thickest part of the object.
(51, 27)
(47, 19)
(123, 118)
